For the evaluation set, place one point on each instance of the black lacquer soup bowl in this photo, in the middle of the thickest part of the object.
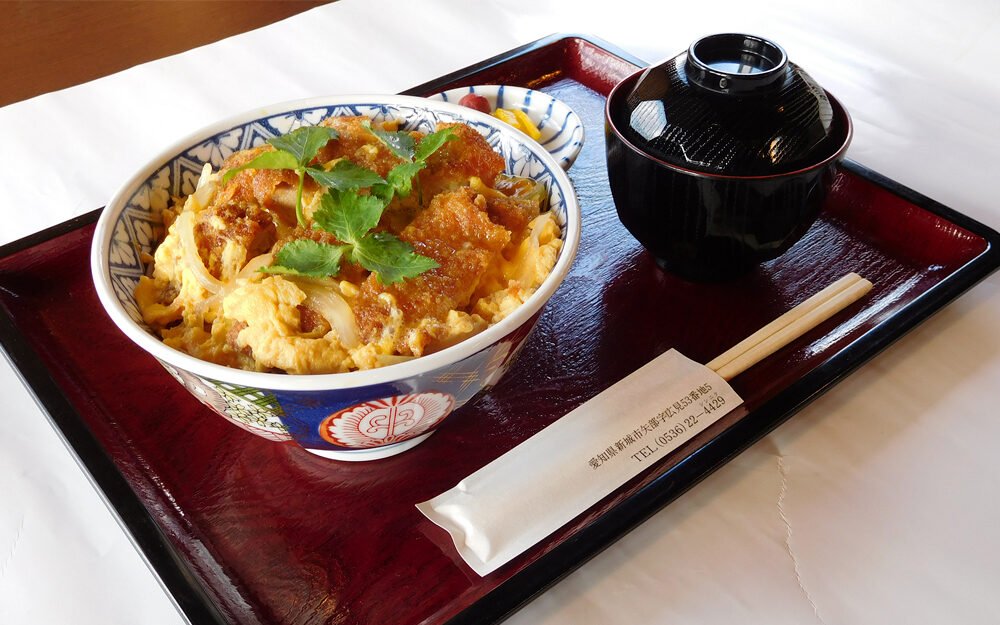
(720, 158)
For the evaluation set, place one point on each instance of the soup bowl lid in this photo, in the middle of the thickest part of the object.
(731, 104)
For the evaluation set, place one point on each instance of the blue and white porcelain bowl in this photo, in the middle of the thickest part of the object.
(359, 415)
(561, 128)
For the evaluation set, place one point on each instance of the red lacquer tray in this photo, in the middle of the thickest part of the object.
(243, 530)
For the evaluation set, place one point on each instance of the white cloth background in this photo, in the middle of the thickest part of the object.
(876, 504)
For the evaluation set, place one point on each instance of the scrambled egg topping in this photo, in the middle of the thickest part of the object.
(489, 233)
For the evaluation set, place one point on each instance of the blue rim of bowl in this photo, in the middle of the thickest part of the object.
(100, 253)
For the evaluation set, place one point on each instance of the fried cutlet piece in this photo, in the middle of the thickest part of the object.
(244, 223)
(272, 189)
(458, 160)
(357, 143)
(513, 213)
(456, 232)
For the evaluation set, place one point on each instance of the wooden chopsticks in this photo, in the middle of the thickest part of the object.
(790, 326)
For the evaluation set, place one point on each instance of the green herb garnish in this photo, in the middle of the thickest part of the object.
(305, 257)
(345, 175)
(351, 217)
(345, 212)
(414, 156)
(292, 151)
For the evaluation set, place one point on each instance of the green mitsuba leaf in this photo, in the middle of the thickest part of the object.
(392, 260)
(344, 212)
(305, 257)
(399, 143)
(348, 216)
(345, 175)
(400, 178)
(303, 143)
(430, 144)
(275, 159)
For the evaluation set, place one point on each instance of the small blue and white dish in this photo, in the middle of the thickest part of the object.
(360, 415)
(561, 128)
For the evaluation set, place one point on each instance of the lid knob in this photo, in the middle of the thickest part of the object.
(734, 64)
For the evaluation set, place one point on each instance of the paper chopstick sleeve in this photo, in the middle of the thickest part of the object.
(503, 509)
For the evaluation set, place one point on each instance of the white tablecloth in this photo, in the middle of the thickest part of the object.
(876, 504)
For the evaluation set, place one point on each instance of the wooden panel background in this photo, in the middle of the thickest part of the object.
(48, 45)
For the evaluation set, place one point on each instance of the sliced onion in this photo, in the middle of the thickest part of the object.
(206, 187)
(524, 188)
(480, 187)
(526, 269)
(248, 271)
(206, 174)
(185, 228)
(253, 265)
(244, 274)
(327, 301)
